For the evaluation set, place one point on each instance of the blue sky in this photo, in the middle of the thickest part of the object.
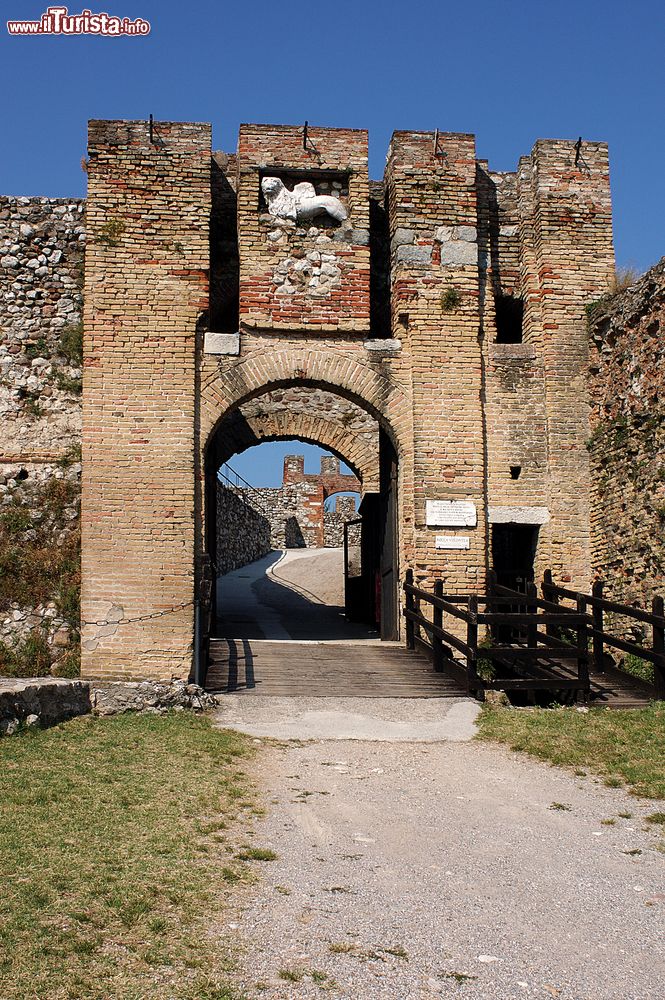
(509, 72)
(263, 464)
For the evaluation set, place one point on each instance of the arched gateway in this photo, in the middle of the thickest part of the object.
(442, 309)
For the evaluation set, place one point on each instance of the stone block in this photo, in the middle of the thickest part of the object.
(459, 252)
(414, 255)
(391, 346)
(518, 515)
(403, 236)
(222, 343)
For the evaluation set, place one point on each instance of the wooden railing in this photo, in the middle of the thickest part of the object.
(548, 644)
(531, 663)
(596, 606)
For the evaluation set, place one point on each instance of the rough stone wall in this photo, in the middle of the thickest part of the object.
(243, 533)
(146, 294)
(627, 442)
(41, 275)
(334, 520)
(295, 511)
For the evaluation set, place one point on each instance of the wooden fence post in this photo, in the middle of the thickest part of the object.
(657, 608)
(437, 618)
(491, 599)
(583, 646)
(410, 606)
(532, 610)
(598, 621)
(548, 595)
(474, 683)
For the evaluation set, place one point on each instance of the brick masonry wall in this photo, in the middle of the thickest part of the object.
(243, 533)
(458, 407)
(545, 237)
(432, 211)
(146, 294)
(627, 442)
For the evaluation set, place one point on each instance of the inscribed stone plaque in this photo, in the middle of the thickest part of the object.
(452, 541)
(451, 513)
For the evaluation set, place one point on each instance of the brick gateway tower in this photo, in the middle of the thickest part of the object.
(443, 306)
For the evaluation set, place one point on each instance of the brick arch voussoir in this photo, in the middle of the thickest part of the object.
(349, 447)
(260, 372)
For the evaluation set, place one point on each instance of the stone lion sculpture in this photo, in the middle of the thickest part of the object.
(301, 204)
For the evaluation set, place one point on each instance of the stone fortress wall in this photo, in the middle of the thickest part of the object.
(41, 279)
(627, 440)
(446, 312)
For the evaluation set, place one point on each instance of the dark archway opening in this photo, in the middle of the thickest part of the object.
(372, 602)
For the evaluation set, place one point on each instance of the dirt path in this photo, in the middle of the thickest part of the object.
(448, 870)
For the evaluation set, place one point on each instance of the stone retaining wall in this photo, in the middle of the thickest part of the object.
(46, 702)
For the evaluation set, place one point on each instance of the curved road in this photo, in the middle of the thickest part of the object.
(295, 594)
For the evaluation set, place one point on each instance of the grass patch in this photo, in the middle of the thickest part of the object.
(70, 345)
(342, 948)
(637, 667)
(291, 975)
(256, 854)
(657, 818)
(459, 977)
(105, 894)
(623, 747)
(30, 657)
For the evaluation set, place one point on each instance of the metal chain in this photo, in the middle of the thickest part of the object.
(142, 618)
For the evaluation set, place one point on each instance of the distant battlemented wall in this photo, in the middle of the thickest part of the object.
(627, 443)
(294, 513)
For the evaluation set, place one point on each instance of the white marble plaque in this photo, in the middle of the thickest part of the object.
(450, 513)
(452, 541)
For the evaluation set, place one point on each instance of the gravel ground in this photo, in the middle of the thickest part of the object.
(393, 720)
(445, 870)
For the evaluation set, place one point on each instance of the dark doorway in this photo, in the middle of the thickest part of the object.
(513, 554)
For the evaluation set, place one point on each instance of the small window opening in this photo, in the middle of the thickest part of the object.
(515, 471)
(509, 313)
